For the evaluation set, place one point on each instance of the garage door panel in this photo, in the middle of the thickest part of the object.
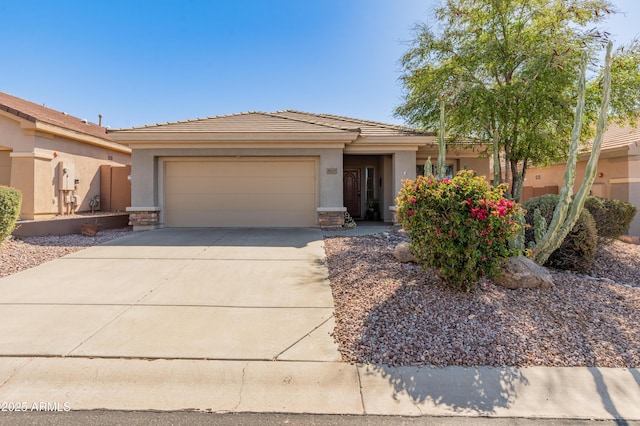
(228, 202)
(226, 184)
(249, 169)
(263, 169)
(235, 218)
(240, 192)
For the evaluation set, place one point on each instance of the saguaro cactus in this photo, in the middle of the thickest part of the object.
(497, 168)
(442, 147)
(569, 208)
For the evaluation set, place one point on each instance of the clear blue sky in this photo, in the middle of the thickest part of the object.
(146, 61)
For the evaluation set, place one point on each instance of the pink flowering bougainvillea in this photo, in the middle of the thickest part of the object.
(460, 226)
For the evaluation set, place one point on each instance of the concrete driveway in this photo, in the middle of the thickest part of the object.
(250, 294)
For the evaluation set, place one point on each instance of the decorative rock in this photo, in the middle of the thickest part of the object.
(403, 253)
(522, 272)
(88, 230)
(629, 239)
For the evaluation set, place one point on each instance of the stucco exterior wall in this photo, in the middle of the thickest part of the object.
(22, 178)
(146, 179)
(461, 159)
(611, 169)
(33, 167)
(146, 171)
(403, 167)
(479, 165)
(12, 135)
(617, 177)
(330, 183)
(85, 161)
(5, 168)
(389, 199)
(634, 187)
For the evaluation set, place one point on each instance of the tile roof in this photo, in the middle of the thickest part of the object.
(34, 112)
(367, 127)
(279, 121)
(618, 137)
(250, 122)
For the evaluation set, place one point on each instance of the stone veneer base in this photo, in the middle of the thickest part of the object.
(330, 218)
(144, 218)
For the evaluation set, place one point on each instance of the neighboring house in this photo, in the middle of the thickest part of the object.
(286, 168)
(617, 177)
(55, 159)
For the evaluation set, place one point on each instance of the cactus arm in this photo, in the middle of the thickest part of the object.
(592, 164)
(541, 249)
(428, 167)
(442, 146)
(497, 167)
(542, 255)
(517, 242)
(539, 225)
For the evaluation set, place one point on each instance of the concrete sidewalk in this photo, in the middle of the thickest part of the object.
(240, 321)
(321, 388)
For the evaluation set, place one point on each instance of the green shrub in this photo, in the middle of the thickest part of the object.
(577, 251)
(10, 202)
(613, 217)
(460, 226)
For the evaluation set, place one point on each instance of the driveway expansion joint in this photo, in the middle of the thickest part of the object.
(241, 387)
(13, 373)
(275, 358)
(364, 408)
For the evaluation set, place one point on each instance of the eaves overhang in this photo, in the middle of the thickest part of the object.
(387, 144)
(155, 139)
(619, 151)
(52, 129)
(32, 126)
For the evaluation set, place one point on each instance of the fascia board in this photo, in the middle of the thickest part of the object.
(131, 137)
(395, 140)
(620, 151)
(177, 145)
(80, 137)
(381, 149)
(458, 152)
(24, 123)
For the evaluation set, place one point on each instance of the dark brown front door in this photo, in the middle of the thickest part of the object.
(351, 191)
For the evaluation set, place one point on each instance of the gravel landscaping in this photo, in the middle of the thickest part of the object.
(397, 314)
(19, 254)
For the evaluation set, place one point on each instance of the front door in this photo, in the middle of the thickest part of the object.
(351, 191)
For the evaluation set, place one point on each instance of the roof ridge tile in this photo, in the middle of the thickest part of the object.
(275, 114)
(362, 121)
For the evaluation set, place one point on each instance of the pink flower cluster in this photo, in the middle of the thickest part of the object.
(500, 209)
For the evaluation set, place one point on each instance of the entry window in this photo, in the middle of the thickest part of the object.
(370, 184)
(448, 170)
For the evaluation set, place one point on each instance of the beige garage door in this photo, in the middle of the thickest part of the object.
(240, 192)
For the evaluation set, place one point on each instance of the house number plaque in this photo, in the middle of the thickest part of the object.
(332, 171)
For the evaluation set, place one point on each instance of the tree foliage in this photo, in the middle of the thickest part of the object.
(507, 71)
(10, 202)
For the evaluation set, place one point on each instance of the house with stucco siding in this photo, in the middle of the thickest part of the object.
(282, 169)
(617, 176)
(56, 160)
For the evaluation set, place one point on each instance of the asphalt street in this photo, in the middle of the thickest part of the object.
(135, 418)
